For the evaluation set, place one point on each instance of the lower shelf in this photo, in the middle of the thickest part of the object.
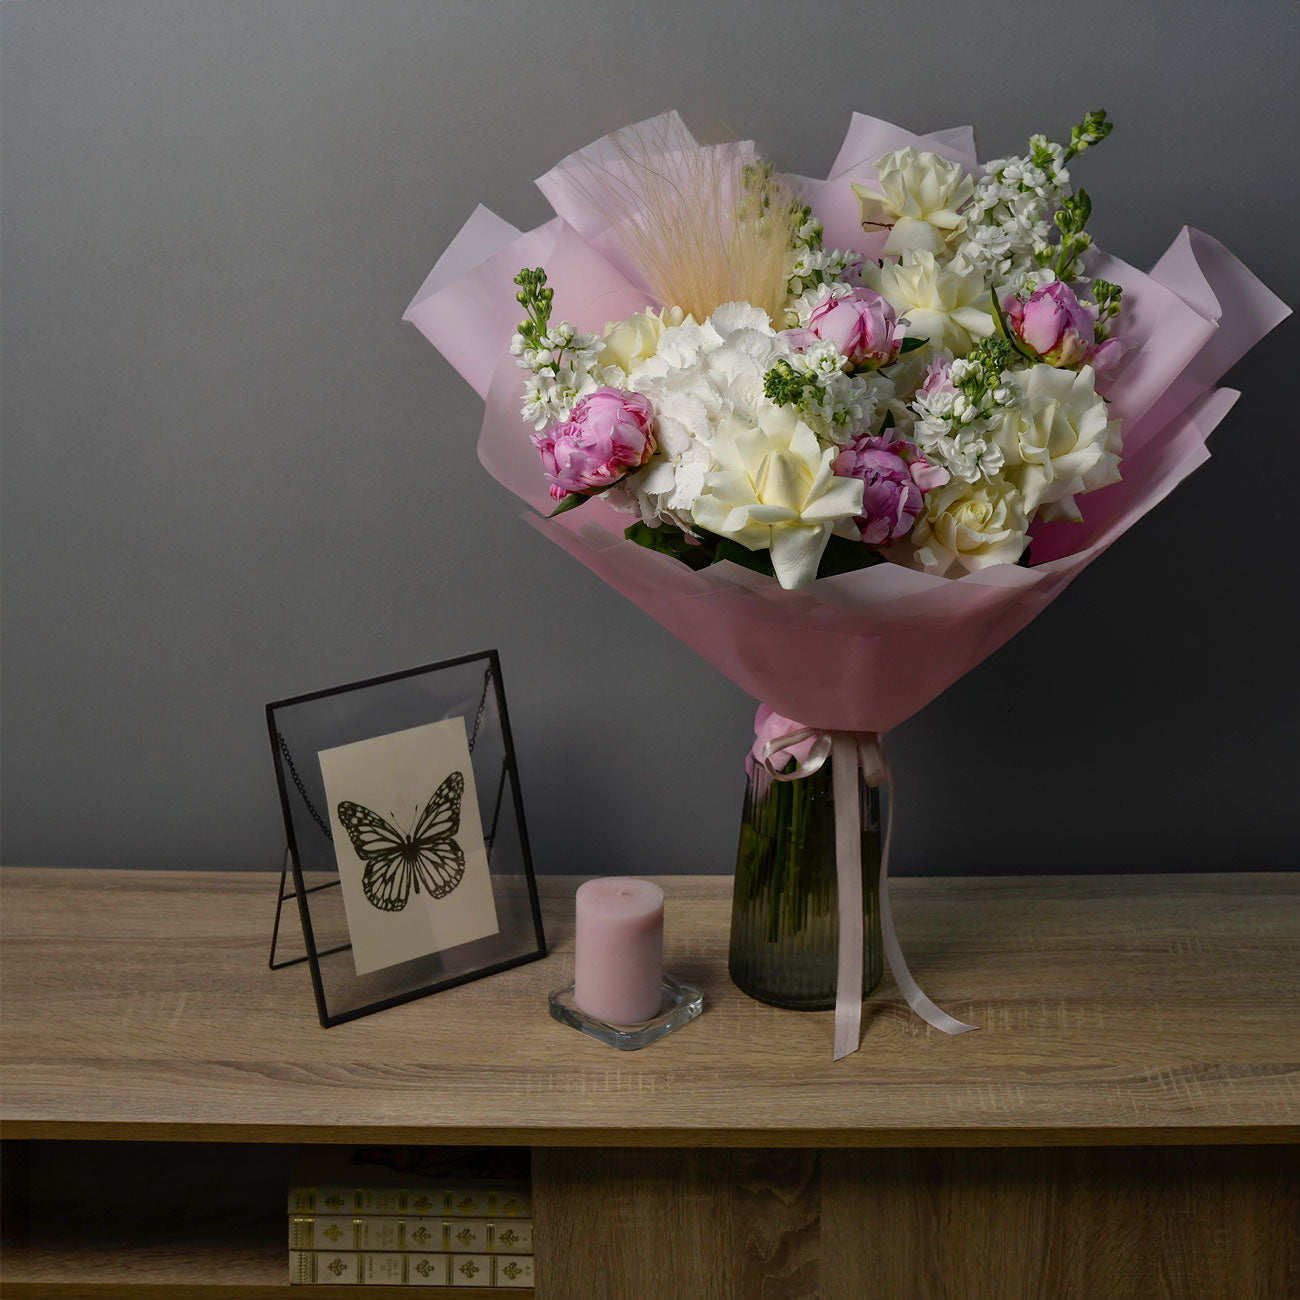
(131, 1221)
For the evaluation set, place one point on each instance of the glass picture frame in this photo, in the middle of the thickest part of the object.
(407, 859)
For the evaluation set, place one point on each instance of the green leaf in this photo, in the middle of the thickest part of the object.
(572, 501)
(758, 561)
(843, 555)
(1005, 330)
(668, 540)
(910, 345)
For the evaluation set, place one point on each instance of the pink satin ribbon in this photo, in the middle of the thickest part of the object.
(868, 763)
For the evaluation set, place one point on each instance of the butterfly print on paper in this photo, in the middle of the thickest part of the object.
(396, 862)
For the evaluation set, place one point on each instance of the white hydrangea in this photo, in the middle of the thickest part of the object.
(699, 375)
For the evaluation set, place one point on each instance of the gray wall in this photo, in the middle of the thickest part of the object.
(232, 474)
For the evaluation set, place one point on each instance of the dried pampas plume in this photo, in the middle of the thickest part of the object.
(704, 224)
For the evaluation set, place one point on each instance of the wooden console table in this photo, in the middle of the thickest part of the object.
(1123, 1124)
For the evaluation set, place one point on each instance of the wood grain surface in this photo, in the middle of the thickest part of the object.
(1112, 1010)
(1151, 1223)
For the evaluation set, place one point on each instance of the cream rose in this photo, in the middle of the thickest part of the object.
(920, 197)
(1058, 441)
(775, 490)
(970, 525)
(940, 304)
(632, 341)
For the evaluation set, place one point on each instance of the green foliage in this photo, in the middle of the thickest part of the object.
(842, 554)
(536, 299)
(784, 385)
(668, 540)
(1092, 130)
(1005, 331)
(758, 561)
(572, 501)
(1107, 296)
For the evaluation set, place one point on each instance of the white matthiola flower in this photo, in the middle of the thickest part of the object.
(942, 304)
(562, 371)
(776, 490)
(920, 196)
(967, 453)
(1058, 440)
(970, 525)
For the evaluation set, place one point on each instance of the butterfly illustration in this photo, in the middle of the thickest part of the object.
(397, 862)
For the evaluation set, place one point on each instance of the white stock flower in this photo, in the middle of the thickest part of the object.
(920, 196)
(949, 307)
(776, 490)
(1058, 441)
(970, 525)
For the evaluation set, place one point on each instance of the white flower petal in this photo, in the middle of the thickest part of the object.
(797, 551)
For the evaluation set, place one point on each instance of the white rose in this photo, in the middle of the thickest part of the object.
(970, 525)
(947, 306)
(1058, 441)
(775, 490)
(920, 196)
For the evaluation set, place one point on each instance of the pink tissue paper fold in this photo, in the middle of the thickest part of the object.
(861, 651)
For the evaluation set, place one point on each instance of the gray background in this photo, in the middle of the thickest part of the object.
(231, 474)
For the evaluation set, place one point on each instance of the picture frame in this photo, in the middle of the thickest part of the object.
(407, 855)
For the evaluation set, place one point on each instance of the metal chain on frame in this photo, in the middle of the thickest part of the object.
(302, 789)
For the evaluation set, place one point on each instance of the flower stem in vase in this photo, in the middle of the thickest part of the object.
(785, 920)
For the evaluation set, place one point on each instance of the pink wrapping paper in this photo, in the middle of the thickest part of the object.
(862, 651)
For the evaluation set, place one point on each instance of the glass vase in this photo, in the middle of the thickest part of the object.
(784, 911)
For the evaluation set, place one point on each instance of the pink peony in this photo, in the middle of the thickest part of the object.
(607, 434)
(862, 325)
(938, 377)
(1053, 323)
(1106, 355)
(895, 477)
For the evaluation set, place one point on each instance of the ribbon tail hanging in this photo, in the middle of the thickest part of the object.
(845, 769)
(909, 988)
(859, 758)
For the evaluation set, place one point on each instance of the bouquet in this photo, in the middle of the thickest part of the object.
(843, 437)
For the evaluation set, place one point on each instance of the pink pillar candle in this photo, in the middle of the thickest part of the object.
(618, 964)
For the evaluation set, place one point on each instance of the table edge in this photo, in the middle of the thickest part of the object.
(1138, 1135)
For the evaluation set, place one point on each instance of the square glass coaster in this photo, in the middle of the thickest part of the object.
(681, 1004)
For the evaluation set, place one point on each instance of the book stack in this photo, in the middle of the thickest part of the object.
(411, 1216)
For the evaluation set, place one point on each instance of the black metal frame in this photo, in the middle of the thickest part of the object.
(300, 890)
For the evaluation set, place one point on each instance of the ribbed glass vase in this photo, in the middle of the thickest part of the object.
(784, 911)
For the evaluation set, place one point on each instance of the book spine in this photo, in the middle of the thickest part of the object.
(384, 1232)
(408, 1268)
(512, 1201)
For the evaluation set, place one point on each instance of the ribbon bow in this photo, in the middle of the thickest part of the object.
(777, 741)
